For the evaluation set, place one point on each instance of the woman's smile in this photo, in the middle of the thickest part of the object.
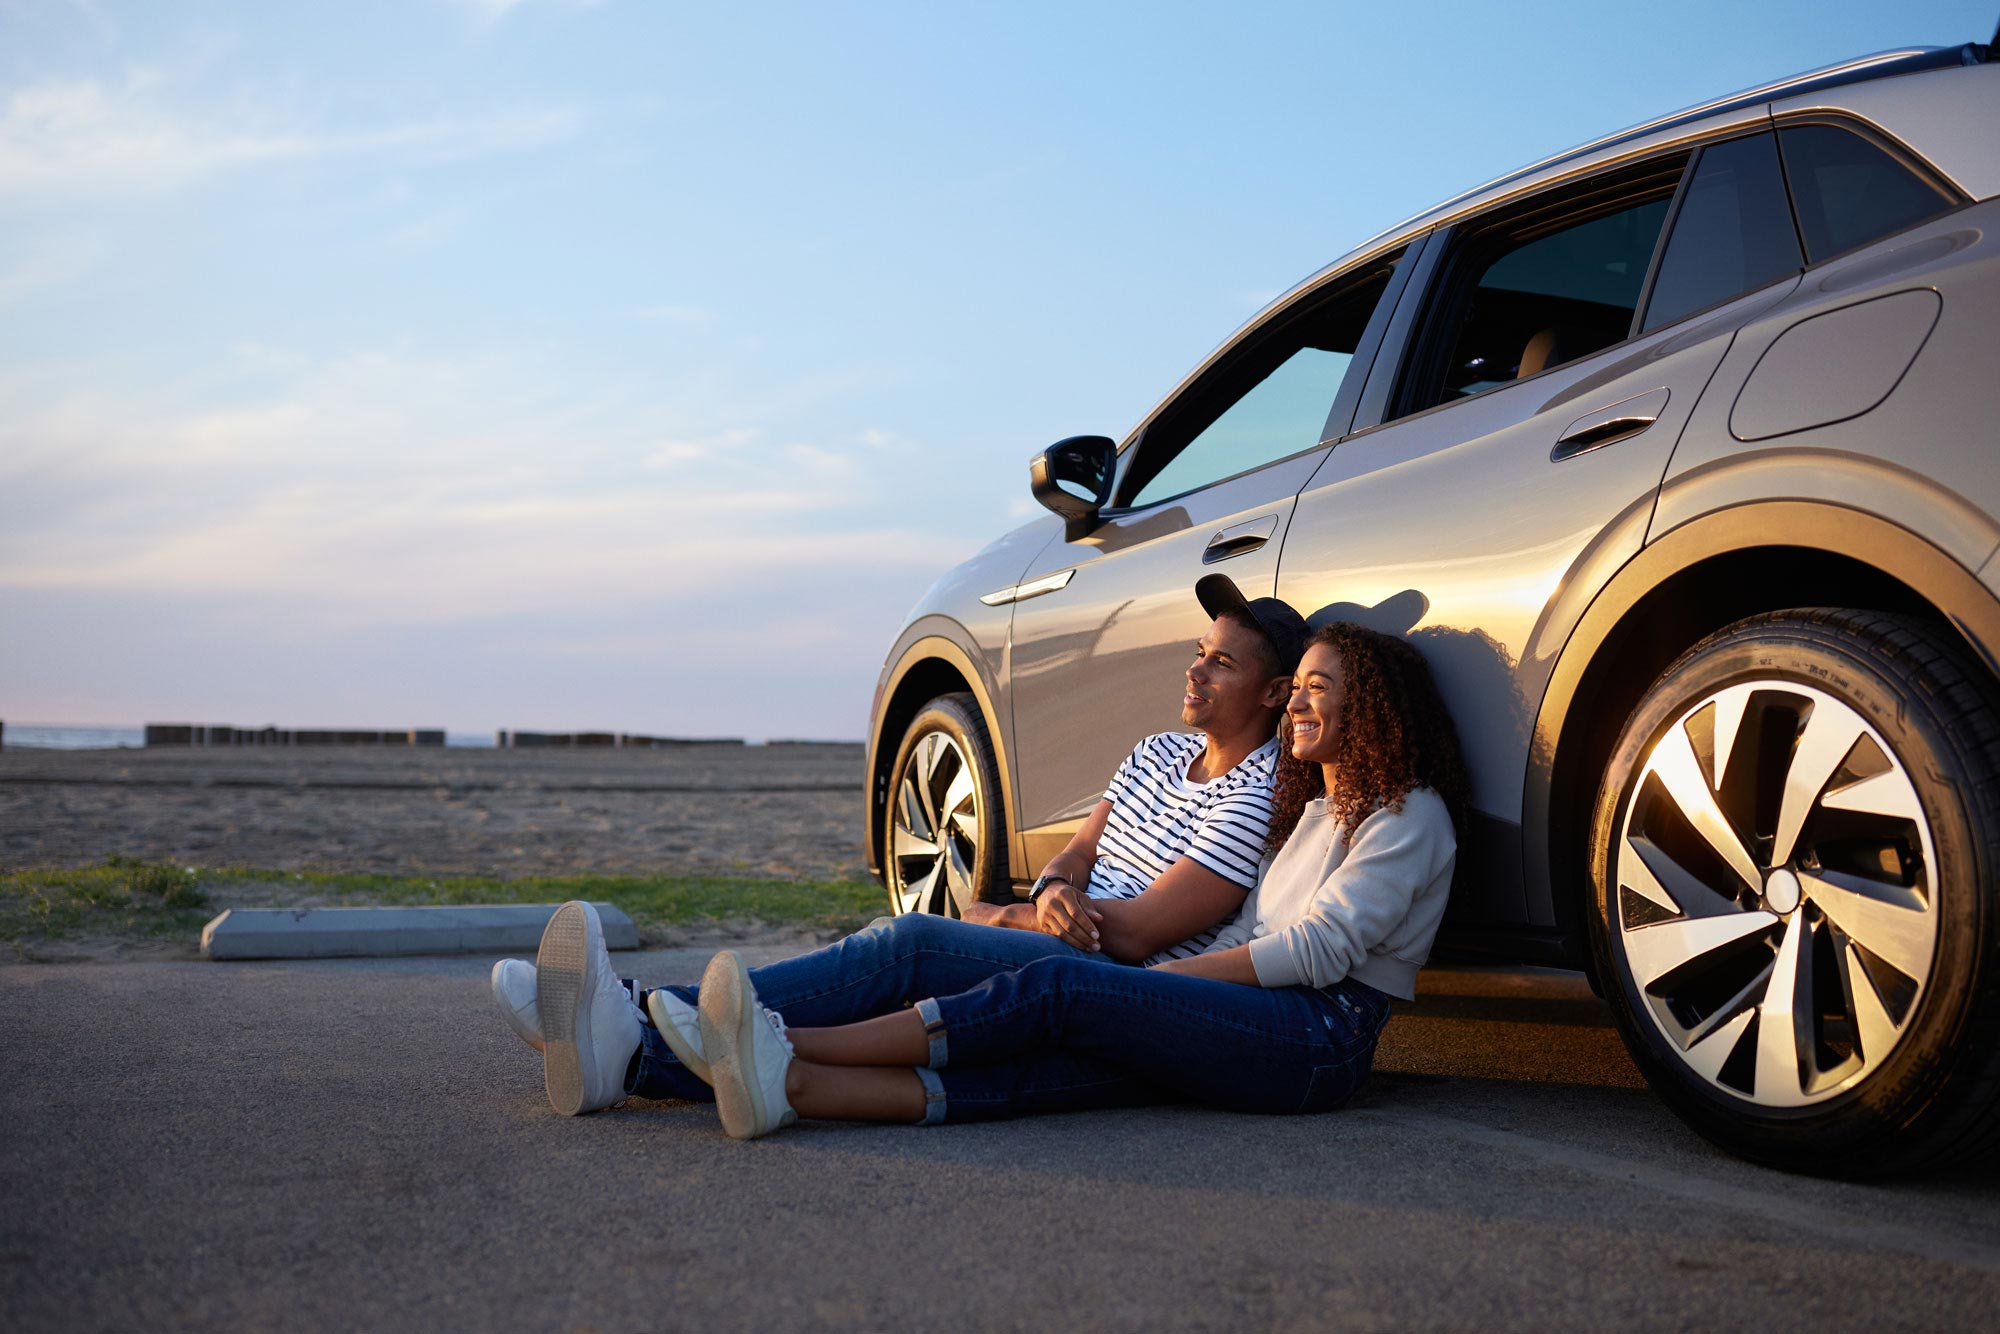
(1313, 711)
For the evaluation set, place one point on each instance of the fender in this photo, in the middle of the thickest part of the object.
(1949, 589)
(935, 638)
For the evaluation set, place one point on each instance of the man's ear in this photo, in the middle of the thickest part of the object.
(1276, 691)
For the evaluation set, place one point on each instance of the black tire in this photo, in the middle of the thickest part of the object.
(1871, 1044)
(944, 833)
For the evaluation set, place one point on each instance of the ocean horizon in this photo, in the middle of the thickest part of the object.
(71, 736)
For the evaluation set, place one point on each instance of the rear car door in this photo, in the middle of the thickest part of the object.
(1555, 358)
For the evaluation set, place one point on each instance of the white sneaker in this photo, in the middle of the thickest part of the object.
(748, 1052)
(514, 993)
(590, 1028)
(680, 1024)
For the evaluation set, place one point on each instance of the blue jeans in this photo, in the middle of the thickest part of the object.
(893, 963)
(1066, 1033)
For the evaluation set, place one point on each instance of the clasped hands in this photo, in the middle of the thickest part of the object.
(1062, 911)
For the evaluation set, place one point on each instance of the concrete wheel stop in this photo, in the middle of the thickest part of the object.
(337, 933)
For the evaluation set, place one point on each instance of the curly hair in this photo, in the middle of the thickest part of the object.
(1395, 735)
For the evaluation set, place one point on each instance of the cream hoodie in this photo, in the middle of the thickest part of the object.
(1329, 906)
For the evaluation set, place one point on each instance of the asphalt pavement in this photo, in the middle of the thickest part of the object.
(362, 1144)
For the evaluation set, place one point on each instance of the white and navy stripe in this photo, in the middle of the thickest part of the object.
(1159, 817)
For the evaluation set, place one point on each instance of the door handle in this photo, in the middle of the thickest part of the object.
(1620, 421)
(1239, 539)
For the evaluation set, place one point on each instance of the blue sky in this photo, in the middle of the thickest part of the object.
(547, 364)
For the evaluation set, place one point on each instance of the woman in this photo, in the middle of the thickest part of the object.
(1280, 1014)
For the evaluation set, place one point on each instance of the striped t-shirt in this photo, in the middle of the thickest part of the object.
(1159, 817)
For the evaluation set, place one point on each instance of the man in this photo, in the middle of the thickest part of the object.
(1163, 861)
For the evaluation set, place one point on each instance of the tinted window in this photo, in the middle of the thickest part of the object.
(1270, 402)
(1849, 192)
(1561, 294)
(1733, 232)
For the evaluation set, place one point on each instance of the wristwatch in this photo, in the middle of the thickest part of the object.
(1046, 879)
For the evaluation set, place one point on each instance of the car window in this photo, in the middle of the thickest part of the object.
(1270, 401)
(1545, 290)
(1733, 231)
(1849, 192)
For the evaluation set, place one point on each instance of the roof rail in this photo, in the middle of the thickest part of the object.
(1880, 65)
(1861, 69)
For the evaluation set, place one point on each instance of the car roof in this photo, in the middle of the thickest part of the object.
(1862, 69)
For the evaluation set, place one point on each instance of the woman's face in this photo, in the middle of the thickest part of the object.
(1318, 689)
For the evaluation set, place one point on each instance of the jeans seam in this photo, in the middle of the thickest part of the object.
(851, 980)
(1002, 1099)
(994, 1015)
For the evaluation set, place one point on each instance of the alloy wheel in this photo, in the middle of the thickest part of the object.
(1775, 883)
(934, 829)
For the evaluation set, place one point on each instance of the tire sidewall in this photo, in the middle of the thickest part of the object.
(1862, 1120)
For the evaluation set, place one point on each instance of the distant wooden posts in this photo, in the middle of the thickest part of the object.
(507, 739)
(221, 734)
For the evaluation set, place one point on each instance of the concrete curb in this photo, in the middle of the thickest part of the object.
(336, 933)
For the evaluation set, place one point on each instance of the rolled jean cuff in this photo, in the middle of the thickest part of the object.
(933, 1097)
(940, 1054)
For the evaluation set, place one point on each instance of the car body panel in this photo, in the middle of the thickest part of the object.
(1923, 457)
(1929, 112)
(1461, 513)
(950, 624)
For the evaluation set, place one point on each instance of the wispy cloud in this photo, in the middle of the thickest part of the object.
(86, 136)
(409, 488)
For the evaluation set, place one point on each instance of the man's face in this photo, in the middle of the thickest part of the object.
(1228, 687)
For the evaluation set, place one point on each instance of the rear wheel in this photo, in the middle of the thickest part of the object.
(1794, 853)
(945, 829)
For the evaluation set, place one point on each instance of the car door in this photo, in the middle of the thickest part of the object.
(1548, 375)
(1205, 485)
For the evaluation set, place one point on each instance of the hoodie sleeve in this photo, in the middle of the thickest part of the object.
(1392, 856)
(1236, 931)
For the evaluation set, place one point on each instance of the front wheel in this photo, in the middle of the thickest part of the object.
(1794, 852)
(945, 833)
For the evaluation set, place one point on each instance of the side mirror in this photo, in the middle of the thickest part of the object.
(1073, 478)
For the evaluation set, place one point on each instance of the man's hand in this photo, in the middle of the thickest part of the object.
(1063, 912)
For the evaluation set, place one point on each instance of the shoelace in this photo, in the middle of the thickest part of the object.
(608, 986)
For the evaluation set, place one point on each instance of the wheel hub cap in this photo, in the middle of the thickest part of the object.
(1781, 892)
(1775, 888)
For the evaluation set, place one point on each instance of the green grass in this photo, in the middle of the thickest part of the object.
(124, 897)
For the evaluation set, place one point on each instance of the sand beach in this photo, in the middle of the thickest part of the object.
(777, 810)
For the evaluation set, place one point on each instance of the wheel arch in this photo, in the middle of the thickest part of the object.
(1686, 584)
(927, 666)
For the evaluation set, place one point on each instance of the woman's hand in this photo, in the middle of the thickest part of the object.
(1063, 912)
(1231, 965)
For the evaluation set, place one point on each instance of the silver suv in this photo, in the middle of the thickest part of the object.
(1676, 456)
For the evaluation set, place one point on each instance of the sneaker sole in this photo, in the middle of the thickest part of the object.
(725, 1031)
(670, 1033)
(561, 985)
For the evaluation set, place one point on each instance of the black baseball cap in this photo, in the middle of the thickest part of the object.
(1283, 627)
